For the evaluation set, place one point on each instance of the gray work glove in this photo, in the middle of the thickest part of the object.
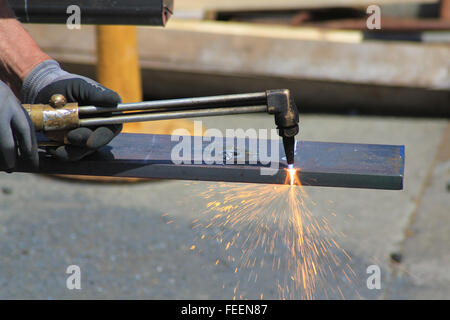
(17, 137)
(48, 79)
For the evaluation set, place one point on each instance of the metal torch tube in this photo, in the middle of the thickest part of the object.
(141, 117)
(215, 101)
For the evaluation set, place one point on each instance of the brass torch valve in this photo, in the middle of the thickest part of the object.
(58, 115)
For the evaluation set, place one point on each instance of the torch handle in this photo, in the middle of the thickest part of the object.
(47, 118)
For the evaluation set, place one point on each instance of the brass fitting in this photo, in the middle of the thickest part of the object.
(58, 115)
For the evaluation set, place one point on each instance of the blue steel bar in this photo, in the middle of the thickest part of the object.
(319, 163)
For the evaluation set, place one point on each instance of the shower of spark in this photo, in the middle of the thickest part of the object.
(270, 226)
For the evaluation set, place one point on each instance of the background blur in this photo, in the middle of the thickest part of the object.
(135, 240)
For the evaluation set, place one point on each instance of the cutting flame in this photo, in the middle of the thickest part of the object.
(292, 177)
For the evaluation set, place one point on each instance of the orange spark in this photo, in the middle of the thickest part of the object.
(248, 218)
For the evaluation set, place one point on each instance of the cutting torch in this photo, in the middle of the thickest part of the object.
(59, 116)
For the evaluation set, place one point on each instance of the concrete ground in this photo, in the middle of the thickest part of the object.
(134, 240)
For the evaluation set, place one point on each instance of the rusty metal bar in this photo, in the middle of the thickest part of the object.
(319, 163)
(389, 25)
(445, 10)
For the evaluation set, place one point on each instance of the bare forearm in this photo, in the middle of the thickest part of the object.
(19, 53)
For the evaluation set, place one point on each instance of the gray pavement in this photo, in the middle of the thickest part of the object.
(134, 240)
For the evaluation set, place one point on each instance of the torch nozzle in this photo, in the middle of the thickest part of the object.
(289, 146)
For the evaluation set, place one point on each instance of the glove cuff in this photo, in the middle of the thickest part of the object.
(41, 76)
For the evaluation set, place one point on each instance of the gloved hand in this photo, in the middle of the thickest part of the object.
(17, 136)
(48, 79)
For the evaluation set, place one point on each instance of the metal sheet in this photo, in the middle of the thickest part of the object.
(320, 163)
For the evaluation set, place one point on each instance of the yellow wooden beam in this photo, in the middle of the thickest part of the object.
(118, 61)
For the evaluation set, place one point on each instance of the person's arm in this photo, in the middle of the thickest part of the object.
(19, 53)
(17, 138)
(35, 77)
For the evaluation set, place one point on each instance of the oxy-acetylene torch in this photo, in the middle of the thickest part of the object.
(60, 116)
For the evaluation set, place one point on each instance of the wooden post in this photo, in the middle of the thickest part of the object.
(118, 61)
(118, 64)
